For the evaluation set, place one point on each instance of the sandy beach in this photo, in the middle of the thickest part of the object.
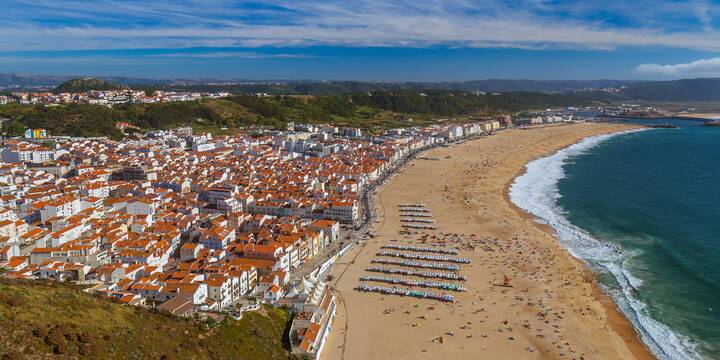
(552, 311)
(700, 116)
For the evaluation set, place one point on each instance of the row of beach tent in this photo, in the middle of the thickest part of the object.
(406, 292)
(426, 221)
(416, 214)
(425, 227)
(417, 264)
(419, 273)
(437, 250)
(413, 282)
(414, 209)
(432, 257)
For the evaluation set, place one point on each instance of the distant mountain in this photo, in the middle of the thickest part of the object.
(27, 81)
(352, 87)
(677, 90)
(504, 85)
(87, 84)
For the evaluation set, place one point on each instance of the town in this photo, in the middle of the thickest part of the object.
(195, 223)
(107, 98)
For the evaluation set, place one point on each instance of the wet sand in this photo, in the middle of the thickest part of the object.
(553, 309)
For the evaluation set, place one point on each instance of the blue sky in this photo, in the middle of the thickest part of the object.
(401, 40)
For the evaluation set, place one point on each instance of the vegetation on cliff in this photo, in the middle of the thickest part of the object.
(374, 110)
(87, 84)
(46, 320)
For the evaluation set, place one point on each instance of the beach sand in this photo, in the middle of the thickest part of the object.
(701, 116)
(552, 311)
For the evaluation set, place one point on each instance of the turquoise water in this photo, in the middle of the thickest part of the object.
(655, 197)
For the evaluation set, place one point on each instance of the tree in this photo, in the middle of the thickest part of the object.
(13, 128)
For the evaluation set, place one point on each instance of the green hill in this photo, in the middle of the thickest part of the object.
(352, 87)
(43, 320)
(705, 89)
(370, 111)
(87, 84)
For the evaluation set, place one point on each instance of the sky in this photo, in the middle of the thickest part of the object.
(371, 40)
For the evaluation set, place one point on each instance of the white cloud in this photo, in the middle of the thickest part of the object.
(228, 55)
(704, 67)
(103, 24)
(702, 12)
(408, 31)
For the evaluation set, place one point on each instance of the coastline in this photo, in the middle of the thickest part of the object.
(367, 325)
(698, 116)
(616, 319)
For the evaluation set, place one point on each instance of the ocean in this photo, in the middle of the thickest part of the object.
(642, 208)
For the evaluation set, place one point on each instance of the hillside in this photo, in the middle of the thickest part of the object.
(87, 84)
(30, 81)
(350, 87)
(11, 80)
(312, 87)
(676, 90)
(57, 321)
(370, 111)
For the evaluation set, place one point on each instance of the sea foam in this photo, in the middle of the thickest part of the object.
(536, 192)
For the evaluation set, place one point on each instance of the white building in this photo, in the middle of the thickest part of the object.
(61, 207)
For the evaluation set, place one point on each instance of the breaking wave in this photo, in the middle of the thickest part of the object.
(536, 192)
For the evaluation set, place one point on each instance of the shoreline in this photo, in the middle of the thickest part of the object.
(616, 318)
(698, 116)
(368, 325)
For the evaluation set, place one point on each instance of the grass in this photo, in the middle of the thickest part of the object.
(42, 320)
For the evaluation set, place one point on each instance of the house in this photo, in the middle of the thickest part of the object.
(247, 274)
(110, 273)
(61, 207)
(273, 294)
(180, 305)
(241, 284)
(142, 206)
(190, 251)
(7, 214)
(274, 252)
(217, 237)
(147, 290)
(68, 233)
(16, 263)
(99, 190)
(39, 255)
(329, 228)
(197, 292)
(266, 282)
(62, 271)
(8, 230)
(220, 289)
(35, 154)
(343, 211)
